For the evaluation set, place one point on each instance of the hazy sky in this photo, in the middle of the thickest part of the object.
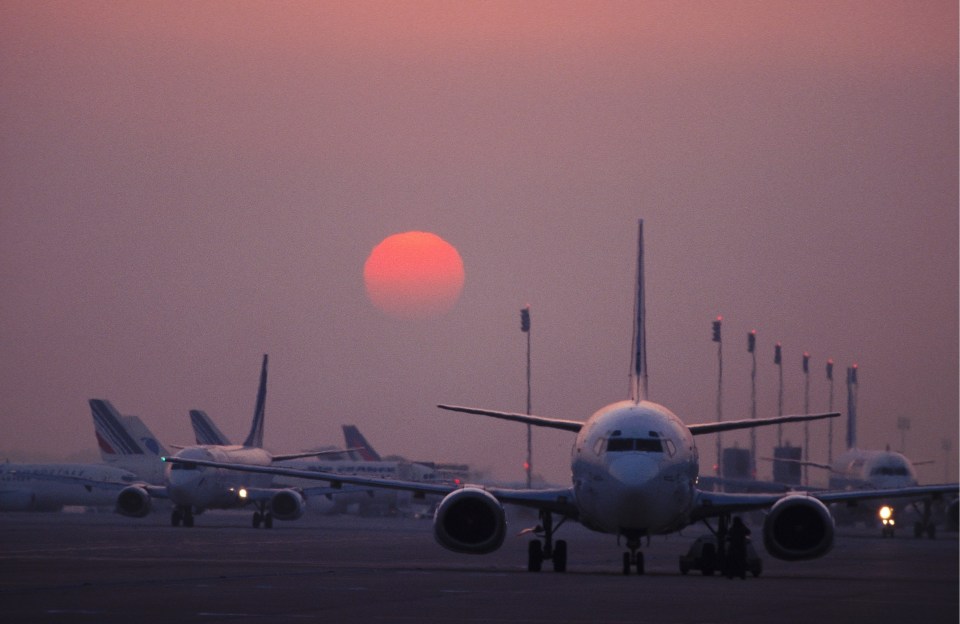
(185, 186)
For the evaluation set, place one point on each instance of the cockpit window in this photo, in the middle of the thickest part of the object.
(619, 445)
(889, 471)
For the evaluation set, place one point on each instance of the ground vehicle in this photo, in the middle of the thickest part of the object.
(705, 556)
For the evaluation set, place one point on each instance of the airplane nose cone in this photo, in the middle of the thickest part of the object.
(633, 471)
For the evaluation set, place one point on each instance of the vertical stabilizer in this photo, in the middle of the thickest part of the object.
(255, 439)
(639, 358)
(205, 431)
(146, 441)
(356, 441)
(113, 439)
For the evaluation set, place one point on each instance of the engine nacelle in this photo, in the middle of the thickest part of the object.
(797, 528)
(133, 501)
(470, 520)
(287, 505)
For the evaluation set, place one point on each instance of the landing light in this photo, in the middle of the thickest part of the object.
(886, 515)
(242, 493)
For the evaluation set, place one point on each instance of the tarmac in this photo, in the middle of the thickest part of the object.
(104, 568)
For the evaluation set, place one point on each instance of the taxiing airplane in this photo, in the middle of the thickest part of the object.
(868, 469)
(634, 474)
(194, 490)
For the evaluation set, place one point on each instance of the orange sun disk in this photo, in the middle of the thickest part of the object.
(414, 275)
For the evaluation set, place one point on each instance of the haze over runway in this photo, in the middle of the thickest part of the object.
(186, 186)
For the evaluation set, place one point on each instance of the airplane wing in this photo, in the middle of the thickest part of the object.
(558, 500)
(711, 504)
(540, 421)
(729, 425)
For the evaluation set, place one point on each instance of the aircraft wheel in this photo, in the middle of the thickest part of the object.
(534, 556)
(626, 564)
(257, 519)
(268, 520)
(640, 565)
(187, 519)
(175, 518)
(560, 556)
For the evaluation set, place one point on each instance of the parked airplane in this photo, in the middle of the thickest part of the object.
(634, 471)
(130, 455)
(51, 487)
(194, 490)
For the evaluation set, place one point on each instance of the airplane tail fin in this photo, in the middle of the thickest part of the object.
(113, 438)
(638, 374)
(144, 437)
(255, 438)
(355, 440)
(205, 431)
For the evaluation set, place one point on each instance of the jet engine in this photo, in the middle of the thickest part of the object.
(133, 501)
(470, 520)
(798, 528)
(287, 505)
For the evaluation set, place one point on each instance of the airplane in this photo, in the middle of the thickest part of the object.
(866, 469)
(51, 487)
(193, 490)
(634, 474)
(365, 501)
(129, 452)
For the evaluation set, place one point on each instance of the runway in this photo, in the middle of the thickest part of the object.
(104, 568)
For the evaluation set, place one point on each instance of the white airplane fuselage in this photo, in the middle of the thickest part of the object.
(49, 487)
(202, 487)
(859, 469)
(634, 468)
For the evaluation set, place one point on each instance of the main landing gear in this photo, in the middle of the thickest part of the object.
(182, 514)
(262, 516)
(538, 550)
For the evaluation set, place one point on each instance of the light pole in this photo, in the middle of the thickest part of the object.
(830, 409)
(525, 328)
(716, 339)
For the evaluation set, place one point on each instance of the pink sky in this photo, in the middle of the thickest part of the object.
(185, 186)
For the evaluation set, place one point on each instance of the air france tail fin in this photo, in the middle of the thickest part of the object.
(113, 439)
(205, 431)
(147, 442)
(359, 444)
(255, 439)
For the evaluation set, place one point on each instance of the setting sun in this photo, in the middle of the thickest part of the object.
(414, 275)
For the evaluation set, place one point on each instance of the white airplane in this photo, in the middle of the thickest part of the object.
(634, 472)
(867, 469)
(51, 487)
(193, 489)
(364, 500)
(130, 455)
